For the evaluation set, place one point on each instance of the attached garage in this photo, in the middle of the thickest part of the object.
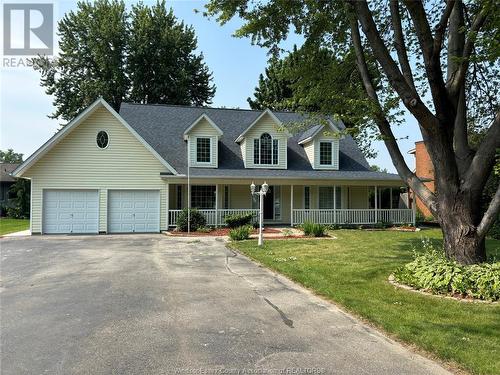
(133, 211)
(70, 211)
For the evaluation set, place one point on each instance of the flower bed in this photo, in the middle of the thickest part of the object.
(218, 232)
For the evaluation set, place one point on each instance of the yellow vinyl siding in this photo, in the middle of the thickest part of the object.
(309, 150)
(243, 147)
(204, 130)
(358, 197)
(77, 163)
(266, 125)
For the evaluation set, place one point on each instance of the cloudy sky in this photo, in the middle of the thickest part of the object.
(235, 64)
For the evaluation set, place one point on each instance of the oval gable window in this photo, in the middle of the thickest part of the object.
(102, 139)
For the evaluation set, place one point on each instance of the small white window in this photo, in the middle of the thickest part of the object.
(325, 153)
(203, 152)
(102, 139)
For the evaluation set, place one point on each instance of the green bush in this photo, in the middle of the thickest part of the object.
(494, 231)
(237, 220)
(431, 271)
(313, 229)
(240, 233)
(197, 220)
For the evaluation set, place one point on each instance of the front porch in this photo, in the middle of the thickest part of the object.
(295, 204)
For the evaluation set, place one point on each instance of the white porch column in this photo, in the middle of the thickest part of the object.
(376, 204)
(334, 204)
(216, 204)
(414, 210)
(167, 204)
(291, 205)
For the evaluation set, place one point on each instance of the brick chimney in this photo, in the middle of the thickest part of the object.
(425, 171)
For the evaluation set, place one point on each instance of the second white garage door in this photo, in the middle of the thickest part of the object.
(133, 211)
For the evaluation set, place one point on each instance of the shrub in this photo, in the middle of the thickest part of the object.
(197, 220)
(313, 229)
(494, 231)
(236, 220)
(240, 233)
(433, 272)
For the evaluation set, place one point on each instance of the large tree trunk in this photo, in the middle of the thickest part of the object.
(458, 217)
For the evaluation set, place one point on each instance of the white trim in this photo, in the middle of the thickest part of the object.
(203, 163)
(293, 178)
(330, 141)
(31, 206)
(268, 112)
(262, 165)
(203, 116)
(56, 138)
(107, 135)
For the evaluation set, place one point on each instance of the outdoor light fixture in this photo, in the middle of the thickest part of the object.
(263, 190)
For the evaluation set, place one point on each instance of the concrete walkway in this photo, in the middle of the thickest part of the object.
(22, 233)
(151, 304)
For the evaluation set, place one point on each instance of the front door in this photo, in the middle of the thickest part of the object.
(269, 204)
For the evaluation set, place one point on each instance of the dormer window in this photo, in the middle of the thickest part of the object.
(203, 151)
(325, 153)
(265, 150)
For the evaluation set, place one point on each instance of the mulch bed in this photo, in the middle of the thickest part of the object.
(217, 232)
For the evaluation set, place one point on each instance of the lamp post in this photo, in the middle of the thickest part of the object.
(263, 190)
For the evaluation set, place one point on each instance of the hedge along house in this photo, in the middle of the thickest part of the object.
(109, 172)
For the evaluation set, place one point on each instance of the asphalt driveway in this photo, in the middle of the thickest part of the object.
(150, 304)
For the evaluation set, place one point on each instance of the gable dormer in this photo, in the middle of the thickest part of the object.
(264, 143)
(202, 137)
(322, 147)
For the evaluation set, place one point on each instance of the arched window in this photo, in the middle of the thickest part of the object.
(265, 150)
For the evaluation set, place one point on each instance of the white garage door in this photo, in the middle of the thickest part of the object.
(133, 211)
(70, 211)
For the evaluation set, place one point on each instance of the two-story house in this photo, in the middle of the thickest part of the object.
(133, 171)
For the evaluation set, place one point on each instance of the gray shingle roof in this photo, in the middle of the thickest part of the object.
(162, 126)
(5, 170)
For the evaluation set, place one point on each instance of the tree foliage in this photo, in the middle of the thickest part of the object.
(18, 206)
(10, 156)
(439, 61)
(145, 55)
(314, 80)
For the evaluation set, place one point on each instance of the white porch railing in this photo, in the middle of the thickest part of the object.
(214, 217)
(352, 216)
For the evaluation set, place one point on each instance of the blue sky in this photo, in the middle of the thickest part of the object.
(235, 64)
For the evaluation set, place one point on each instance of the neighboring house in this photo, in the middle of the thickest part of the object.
(6, 181)
(107, 172)
(423, 170)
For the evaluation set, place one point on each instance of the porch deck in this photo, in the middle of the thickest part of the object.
(215, 217)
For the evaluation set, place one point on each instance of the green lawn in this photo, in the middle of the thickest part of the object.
(8, 225)
(352, 271)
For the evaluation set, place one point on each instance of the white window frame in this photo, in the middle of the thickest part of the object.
(331, 153)
(194, 187)
(272, 151)
(210, 151)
